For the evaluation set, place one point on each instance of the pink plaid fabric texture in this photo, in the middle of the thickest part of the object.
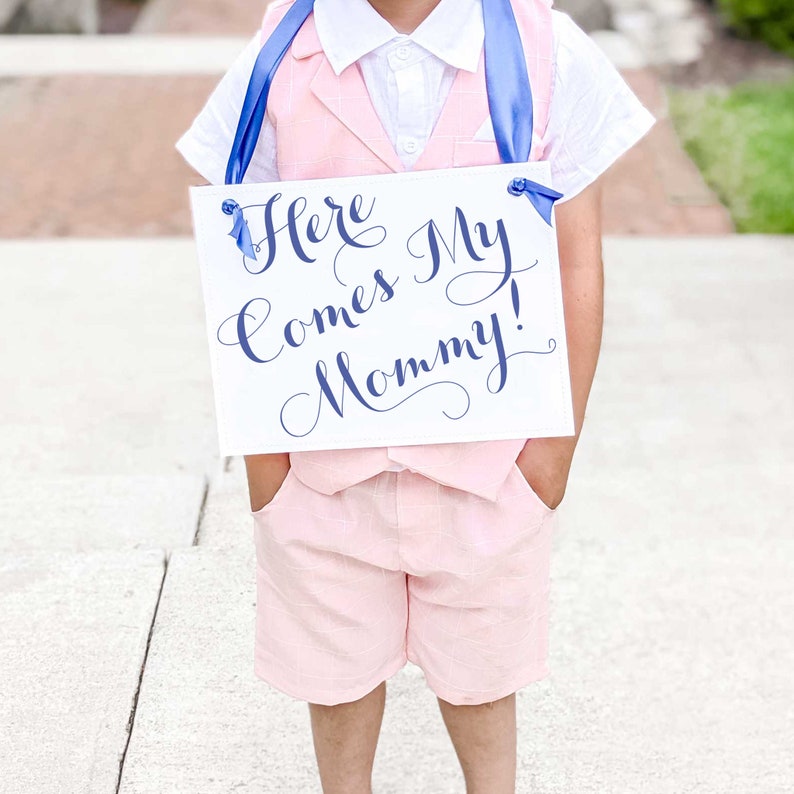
(327, 127)
(352, 585)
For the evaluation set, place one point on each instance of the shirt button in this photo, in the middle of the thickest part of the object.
(409, 145)
(403, 53)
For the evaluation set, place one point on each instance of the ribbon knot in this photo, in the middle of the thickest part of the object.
(541, 197)
(240, 230)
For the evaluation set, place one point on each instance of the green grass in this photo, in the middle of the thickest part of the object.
(742, 139)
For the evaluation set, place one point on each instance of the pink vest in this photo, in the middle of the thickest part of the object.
(327, 127)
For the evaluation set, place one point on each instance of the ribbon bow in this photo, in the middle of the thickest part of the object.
(542, 197)
(240, 230)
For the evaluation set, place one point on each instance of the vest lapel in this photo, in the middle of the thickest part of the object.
(346, 96)
(464, 112)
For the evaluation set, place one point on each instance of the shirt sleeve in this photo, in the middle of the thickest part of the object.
(594, 116)
(207, 144)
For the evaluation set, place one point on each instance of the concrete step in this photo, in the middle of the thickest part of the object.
(88, 513)
(226, 524)
(201, 16)
(105, 360)
(203, 722)
(119, 54)
(75, 629)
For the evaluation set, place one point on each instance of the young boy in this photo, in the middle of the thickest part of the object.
(438, 555)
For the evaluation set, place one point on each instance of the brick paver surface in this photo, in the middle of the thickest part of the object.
(94, 156)
(213, 17)
(655, 189)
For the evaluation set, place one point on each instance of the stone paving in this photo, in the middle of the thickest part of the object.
(114, 171)
(201, 17)
(103, 149)
(655, 189)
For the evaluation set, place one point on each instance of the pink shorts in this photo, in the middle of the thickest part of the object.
(400, 568)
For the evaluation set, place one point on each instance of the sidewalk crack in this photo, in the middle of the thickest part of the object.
(202, 507)
(133, 710)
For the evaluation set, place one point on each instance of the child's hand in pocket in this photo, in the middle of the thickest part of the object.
(266, 474)
(545, 464)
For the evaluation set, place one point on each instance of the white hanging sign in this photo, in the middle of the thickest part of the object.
(412, 308)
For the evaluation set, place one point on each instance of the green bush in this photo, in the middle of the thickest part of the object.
(740, 138)
(771, 21)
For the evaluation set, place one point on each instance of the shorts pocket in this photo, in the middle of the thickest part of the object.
(277, 495)
(531, 491)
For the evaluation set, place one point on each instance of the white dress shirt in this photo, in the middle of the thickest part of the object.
(594, 117)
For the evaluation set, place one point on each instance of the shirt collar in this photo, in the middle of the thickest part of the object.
(453, 32)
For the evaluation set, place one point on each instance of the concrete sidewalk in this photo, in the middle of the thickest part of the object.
(127, 586)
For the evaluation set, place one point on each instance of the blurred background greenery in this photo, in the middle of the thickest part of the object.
(736, 120)
(742, 139)
(771, 21)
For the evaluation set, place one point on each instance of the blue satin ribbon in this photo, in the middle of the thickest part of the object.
(542, 197)
(510, 100)
(506, 79)
(240, 230)
(253, 113)
(507, 82)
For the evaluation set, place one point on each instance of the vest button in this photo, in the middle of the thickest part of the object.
(409, 145)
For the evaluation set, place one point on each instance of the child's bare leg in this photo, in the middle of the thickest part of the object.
(345, 739)
(484, 737)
